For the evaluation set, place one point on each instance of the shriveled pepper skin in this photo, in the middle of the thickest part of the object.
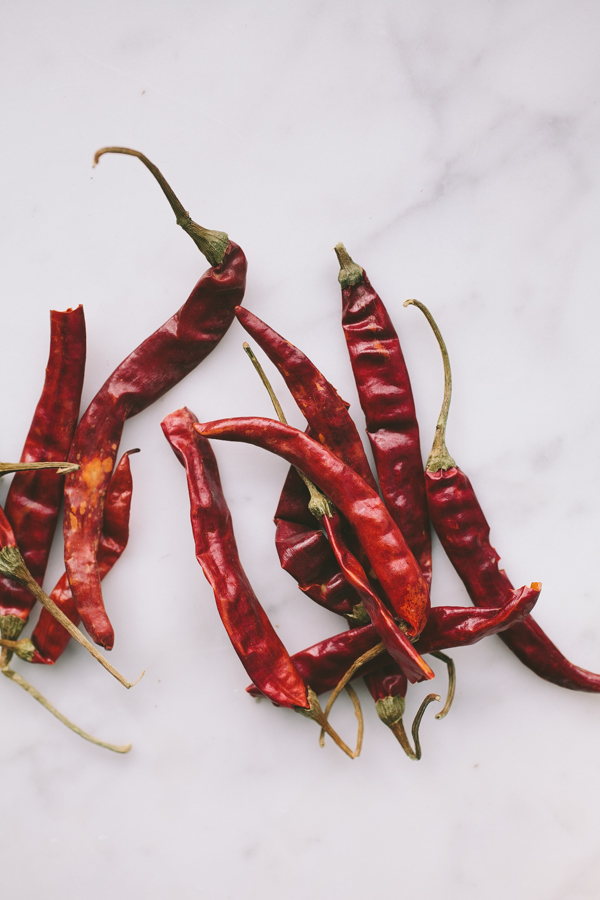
(386, 398)
(49, 638)
(33, 500)
(393, 563)
(156, 365)
(324, 664)
(254, 639)
(464, 533)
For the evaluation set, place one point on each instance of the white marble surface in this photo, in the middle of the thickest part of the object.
(453, 147)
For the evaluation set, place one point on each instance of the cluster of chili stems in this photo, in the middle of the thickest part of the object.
(361, 551)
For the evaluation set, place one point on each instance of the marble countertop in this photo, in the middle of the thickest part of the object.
(453, 148)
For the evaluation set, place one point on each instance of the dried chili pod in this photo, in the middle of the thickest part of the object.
(34, 497)
(386, 399)
(464, 533)
(253, 637)
(146, 374)
(49, 638)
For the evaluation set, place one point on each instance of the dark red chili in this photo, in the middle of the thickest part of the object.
(324, 664)
(155, 366)
(386, 399)
(464, 533)
(34, 497)
(253, 637)
(49, 638)
(393, 563)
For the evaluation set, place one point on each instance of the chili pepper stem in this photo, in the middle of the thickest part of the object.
(350, 273)
(23, 648)
(212, 244)
(451, 681)
(316, 713)
(63, 468)
(365, 658)
(439, 458)
(13, 566)
(14, 676)
(318, 504)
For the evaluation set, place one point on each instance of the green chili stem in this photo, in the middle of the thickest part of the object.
(212, 244)
(14, 676)
(451, 682)
(439, 458)
(356, 665)
(315, 713)
(318, 504)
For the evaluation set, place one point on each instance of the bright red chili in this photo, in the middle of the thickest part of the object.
(33, 500)
(386, 399)
(156, 365)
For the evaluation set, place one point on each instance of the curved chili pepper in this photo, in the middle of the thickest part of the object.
(34, 497)
(49, 638)
(253, 637)
(464, 533)
(324, 664)
(381, 539)
(296, 538)
(386, 399)
(156, 365)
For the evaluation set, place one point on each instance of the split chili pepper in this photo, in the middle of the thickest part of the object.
(156, 365)
(34, 497)
(49, 638)
(386, 399)
(464, 533)
(13, 566)
(253, 637)
(393, 563)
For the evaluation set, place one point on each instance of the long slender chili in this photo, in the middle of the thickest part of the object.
(49, 638)
(386, 399)
(464, 532)
(254, 639)
(392, 561)
(156, 365)
(34, 497)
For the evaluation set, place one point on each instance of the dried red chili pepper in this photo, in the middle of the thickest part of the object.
(382, 541)
(324, 664)
(33, 500)
(253, 637)
(49, 638)
(386, 399)
(464, 533)
(156, 365)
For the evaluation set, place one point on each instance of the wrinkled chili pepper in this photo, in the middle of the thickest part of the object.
(156, 365)
(325, 663)
(253, 637)
(382, 541)
(49, 638)
(464, 533)
(386, 399)
(33, 500)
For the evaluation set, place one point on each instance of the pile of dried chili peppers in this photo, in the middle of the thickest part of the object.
(356, 543)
